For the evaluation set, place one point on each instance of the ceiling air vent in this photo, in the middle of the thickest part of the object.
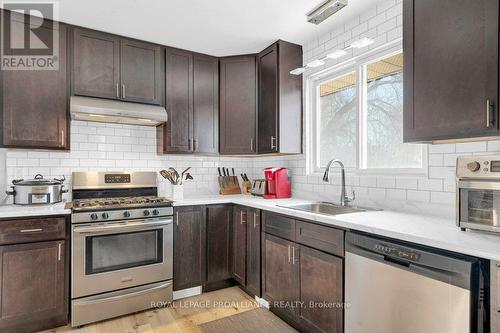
(325, 10)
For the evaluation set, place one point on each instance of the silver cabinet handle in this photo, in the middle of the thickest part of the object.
(194, 144)
(27, 231)
(190, 144)
(59, 246)
(63, 139)
(251, 144)
(273, 146)
(293, 255)
(117, 90)
(117, 227)
(241, 218)
(289, 249)
(123, 91)
(488, 111)
(255, 225)
(177, 218)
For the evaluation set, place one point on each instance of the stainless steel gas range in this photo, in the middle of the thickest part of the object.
(122, 243)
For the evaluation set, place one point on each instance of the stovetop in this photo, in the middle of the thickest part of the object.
(93, 204)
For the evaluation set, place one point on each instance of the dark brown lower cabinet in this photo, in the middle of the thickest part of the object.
(321, 291)
(34, 280)
(280, 285)
(240, 244)
(189, 247)
(219, 233)
(253, 252)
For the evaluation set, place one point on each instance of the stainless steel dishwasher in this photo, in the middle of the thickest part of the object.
(393, 287)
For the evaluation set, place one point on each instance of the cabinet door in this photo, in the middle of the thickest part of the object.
(219, 233)
(189, 247)
(253, 251)
(451, 76)
(34, 286)
(178, 131)
(240, 244)
(141, 72)
(238, 96)
(281, 275)
(321, 277)
(206, 104)
(96, 64)
(268, 100)
(35, 103)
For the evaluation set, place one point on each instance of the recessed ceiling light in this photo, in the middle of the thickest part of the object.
(337, 54)
(325, 10)
(363, 42)
(315, 63)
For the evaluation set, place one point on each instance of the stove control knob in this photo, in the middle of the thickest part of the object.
(156, 212)
(126, 214)
(93, 216)
(146, 212)
(473, 166)
(105, 215)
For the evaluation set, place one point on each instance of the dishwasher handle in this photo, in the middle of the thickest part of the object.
(455, 269)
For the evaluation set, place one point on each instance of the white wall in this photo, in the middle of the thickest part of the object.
(432, 194)
(113, 147)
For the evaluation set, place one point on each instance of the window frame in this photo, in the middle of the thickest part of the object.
(357, 65)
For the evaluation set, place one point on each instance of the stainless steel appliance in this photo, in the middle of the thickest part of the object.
(393, 287)
(121, 247)
(37, 191)
(478, 192)
(259, 187)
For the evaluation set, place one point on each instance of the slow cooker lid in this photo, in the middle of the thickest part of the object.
(38, 181)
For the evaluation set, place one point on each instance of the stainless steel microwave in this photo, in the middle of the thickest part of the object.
(478, 193)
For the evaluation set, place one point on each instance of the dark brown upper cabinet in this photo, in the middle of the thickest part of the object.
(96, 64)
(192, 102)
(35, 103)
(450, 70)
(141, 79)
(238, 108)
(189, 247)
(280, 99)
(108, 66)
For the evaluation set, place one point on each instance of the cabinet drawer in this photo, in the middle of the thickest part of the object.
(32, 230)
(279, 225)
(326, 239)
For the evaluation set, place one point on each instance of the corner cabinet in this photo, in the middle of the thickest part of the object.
(280, 99)
(192, 102)
(450, 77)
(35, 103)
(238, 105)
(189, 247)
(107, 66)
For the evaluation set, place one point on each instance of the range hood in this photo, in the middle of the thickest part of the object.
(109, 111)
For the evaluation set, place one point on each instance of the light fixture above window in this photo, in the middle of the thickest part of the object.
(358, 44)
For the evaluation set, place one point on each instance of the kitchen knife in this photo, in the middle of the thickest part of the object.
(220, 173)
(233, 172)
(224, 172)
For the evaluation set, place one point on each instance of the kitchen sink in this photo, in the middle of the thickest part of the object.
(326, 208)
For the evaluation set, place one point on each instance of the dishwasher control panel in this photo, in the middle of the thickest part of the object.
(396, 252)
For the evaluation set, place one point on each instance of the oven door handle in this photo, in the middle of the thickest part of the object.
(479, 185)
(121, 226)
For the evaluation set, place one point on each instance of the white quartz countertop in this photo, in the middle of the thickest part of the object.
(420, 229)
(11, 211)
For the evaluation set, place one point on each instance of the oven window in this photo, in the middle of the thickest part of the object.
(113, 252)
(480, 206)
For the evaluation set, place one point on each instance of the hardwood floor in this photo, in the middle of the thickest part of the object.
(185, 315)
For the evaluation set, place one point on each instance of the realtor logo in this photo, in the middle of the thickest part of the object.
(29, 35)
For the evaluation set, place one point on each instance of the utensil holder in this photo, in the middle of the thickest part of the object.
(177, 192)
(229, 185)
(247, 187)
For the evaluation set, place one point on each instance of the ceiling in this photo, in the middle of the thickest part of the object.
(217, 27)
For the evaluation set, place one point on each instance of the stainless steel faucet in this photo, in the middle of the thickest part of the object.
(344, 199)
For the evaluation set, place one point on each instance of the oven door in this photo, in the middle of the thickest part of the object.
(116, 255)
(479, 205)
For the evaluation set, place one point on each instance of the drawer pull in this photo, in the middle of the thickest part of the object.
(59, 246)
(27, 231)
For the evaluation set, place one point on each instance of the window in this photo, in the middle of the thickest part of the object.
(358, 119)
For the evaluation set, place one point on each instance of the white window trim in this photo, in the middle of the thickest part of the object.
(312, 83)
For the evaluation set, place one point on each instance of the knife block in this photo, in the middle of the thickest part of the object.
(229, 185)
